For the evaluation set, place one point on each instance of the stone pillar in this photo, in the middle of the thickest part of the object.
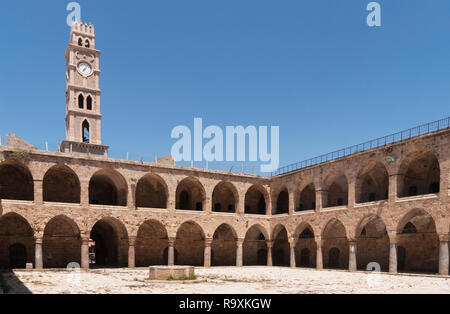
(171, 252)
(291, 201)
(131, 204)
(269, 252)
(393, 257)
(292, 245)
(131, 252)
(240, 209)
(38, 192)
(393, 187)
(84, 190)
(38, 259)
(239, 253)
(268, 207)
(443, 256)
(319, 258)
(207, 253)
(352, 193)
(321, 199)
(352, 264)
(85, 252)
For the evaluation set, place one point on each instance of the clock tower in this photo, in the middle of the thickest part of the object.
(83, 117)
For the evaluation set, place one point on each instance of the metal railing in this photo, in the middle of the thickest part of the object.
(379, 142)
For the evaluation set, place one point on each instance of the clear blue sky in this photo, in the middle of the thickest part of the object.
(313, 67)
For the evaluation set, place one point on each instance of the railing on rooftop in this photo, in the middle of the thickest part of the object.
(379, 142)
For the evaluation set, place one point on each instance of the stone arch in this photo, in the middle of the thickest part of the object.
(61, 184)
(372, 242)
(190, 244)
(108, 187)
(61, 243)
(151, 192)
(418, 240)
(419, 174)
(16, 242)
(151, 241)
(109, 243)
(255, 246)
(281, 247)
(337, 186)
(190, 194)
(305, 198)
(256, 200)
(335, 245)
(281, 201)
(225, 197)
(306, 247)
(372, 182)
(223, 247)
(16, 181)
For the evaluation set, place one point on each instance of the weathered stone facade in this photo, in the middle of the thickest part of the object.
(388, 205)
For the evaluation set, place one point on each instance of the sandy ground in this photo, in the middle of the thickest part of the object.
(247, 280)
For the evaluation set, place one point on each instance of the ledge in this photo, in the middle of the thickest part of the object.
(305, 212)
(368, 204)
(333, 209)
(417, 198)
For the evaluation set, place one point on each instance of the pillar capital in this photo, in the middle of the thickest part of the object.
(208, 241)
(293, 242)
(239, 242)
(269, 244)
(38, 240)
(171, 241)
(444, 237)
(132, 240)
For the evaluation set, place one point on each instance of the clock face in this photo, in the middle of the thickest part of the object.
(84, 68)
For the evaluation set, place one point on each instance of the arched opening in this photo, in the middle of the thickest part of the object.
(372, 243)
(281, 248)
(282, 204)
(61, 184)
(190, 195)
(335, 246)
(110, 243)
(85, 132)
(151, 192)
(89, 103)
(255, 247)
(223, 247)
(108, 187)
(80, 42)
(16, 182)
(190, 244)
(306, 199)
(305, 249)
(255, 201)
(16, 242)
(62, 243)
(224, 198)
(81, 101)
(372, 183)
(337, 191)
(87, 43)
(150, 244)
(421, 174)
(420, 242)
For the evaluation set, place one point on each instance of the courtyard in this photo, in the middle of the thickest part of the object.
(221, 280)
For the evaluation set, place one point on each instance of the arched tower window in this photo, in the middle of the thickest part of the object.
(80, 101)
(87, 44)
(80, 42)
(85, 131)
(89, 103)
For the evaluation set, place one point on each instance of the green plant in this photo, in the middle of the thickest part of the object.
(20, 154)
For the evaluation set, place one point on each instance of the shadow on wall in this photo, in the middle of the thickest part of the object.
(11, 284)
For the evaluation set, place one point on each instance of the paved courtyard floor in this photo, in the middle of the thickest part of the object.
(227, 280)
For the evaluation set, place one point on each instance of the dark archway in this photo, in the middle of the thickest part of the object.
(108, 187)
(62, 185)
(337, 191)
(110, 243)
(190, 195)
(62, 243)
(421, 174)
(16, 182)
(420, 242)
(306, 199)
(255, 247)
(150, 244)
(282, 204)
(334, 239)
(223, 247)
(255, 200)
(372, 183)
(16, 242)
(224, 197)
(306, 248)
(190, 244)
(372, 243)
(151, 192)
(281, 247)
